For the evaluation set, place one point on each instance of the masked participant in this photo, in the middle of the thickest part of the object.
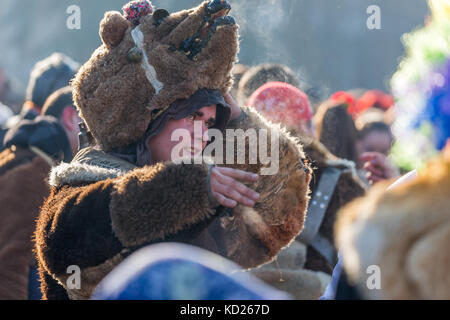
(156, 73)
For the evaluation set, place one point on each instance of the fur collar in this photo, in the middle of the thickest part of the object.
(89, 165)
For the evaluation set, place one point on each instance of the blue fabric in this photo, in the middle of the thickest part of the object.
(330, 291)
(172, 271)
(437, 109)
(34, 286)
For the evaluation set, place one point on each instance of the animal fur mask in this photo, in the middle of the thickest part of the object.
(150, 60)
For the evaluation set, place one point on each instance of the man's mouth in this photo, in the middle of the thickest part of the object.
(216, 17)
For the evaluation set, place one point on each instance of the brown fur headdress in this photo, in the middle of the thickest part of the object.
(149, 60)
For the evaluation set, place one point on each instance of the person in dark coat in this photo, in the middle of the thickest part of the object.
(32, 147)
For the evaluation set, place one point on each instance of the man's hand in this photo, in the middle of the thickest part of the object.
(228, 191)
(378, 167)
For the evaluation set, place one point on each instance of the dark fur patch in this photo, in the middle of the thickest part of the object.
(154, 202)
(74, 228)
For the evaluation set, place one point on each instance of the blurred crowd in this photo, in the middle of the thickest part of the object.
(371, 203)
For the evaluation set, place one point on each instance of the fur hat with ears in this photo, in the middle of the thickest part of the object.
(398, 239)
(149, 59)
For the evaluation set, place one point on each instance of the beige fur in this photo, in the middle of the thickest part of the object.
(287, 273)
(301, 284)
(404, 231)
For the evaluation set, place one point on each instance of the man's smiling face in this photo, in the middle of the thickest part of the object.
(161, 145)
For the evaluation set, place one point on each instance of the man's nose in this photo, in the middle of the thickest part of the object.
(200, 131)
(205, 132)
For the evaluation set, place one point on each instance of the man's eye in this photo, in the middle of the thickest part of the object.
(209, 123)
(191, 117)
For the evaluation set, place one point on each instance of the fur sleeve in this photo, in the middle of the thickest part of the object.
(92, 225)
(151, 203)
(74, 228)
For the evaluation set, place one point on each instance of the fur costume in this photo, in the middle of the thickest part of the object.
(102, 208)
(141, 69)
(407, 229)
(302, 270)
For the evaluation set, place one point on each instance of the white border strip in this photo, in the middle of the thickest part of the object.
(150, 72)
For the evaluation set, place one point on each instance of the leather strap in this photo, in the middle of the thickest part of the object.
(316, 212)
(325, 248)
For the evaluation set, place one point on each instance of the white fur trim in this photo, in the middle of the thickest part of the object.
(150, 72)
(70, 173)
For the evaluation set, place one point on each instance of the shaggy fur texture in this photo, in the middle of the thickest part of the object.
(154, 202)
(88, 224)
(74, 228)
(278, 216)
(300, 270)
(405, 231)
(114, 96)
(22, 175)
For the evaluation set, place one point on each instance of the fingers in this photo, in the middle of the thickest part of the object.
(373, 169)
(228, 191)
(373, 178)
(232, 188)
(222, 200)
(238, 174)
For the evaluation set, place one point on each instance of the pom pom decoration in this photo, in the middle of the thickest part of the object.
(421, 87)
(134, 10)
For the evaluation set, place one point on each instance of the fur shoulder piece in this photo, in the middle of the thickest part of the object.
(89, 165)
(402, 234)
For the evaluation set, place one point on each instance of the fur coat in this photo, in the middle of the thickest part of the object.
(24, 167)
(22, 177)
